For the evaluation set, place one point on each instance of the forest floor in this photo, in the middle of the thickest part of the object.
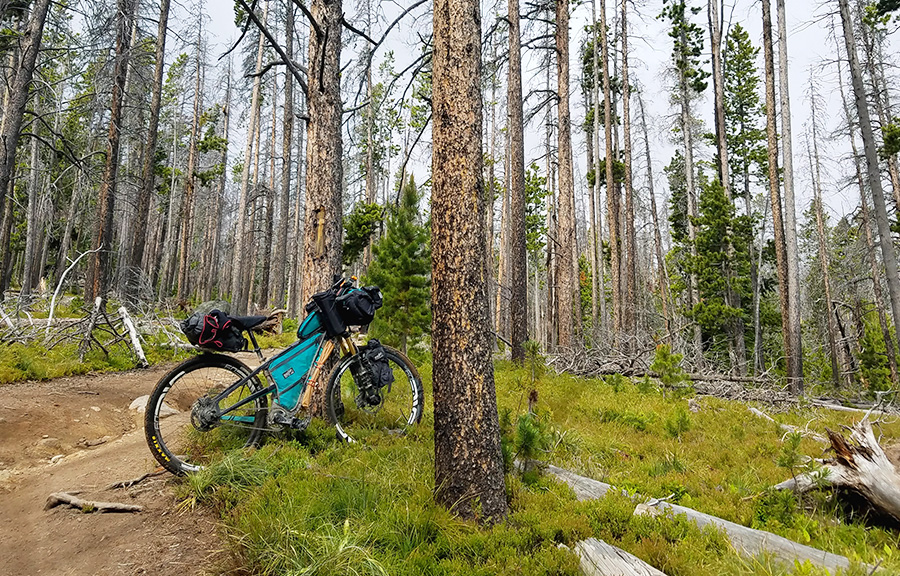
(78, 434)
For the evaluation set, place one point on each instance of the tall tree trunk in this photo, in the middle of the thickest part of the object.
(187, 206)
(139, 232)
(888, 255)
(781, 255)
(287, 134)
(865, 224)
(213, 282)
(468, 461)
(688, 142)
(597, 231)
(795, 360)
(657, 234)
(243, 258)
(612, 197)
(31, 222)
(630, 308)
(269, 232)
(518, 304)
(30, 43)
(567, 281)
(99, 271)
(815, 169)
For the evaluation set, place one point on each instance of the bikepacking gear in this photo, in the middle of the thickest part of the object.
(357, 307)
(325, 303)
(292, 368)
(214, 331)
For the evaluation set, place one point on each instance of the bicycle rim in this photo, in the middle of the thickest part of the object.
(176, 439)
(400, 406)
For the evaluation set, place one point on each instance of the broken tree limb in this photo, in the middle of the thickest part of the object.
(132, 333)
(89, 333)
(70, 499)
(745, 540)
(859, 464)
(597, 558)
(789, 428)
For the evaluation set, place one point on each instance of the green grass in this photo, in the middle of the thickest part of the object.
(312, 506)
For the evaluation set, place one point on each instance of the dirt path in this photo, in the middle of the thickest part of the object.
(79, 434)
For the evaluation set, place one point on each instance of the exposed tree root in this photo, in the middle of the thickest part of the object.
(70, 499)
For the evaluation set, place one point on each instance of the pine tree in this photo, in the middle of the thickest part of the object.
(401, 269)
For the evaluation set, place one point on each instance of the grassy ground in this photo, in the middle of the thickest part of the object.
(312, 506)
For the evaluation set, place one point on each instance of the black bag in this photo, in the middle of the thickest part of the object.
(214, 331)
(331, 318)
(378, 365)
(358, 307)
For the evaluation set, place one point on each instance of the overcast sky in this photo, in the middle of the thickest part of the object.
(811, 50)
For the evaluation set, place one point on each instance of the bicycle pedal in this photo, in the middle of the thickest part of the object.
(290, 422)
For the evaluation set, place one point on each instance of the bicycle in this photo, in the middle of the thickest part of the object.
(216, 402)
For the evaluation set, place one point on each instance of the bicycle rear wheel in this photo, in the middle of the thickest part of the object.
(400, 404)
(179, 431)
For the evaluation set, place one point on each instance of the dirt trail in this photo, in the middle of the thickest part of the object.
(79, 434)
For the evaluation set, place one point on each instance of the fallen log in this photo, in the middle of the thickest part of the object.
(787, 427)
(58, 498)
(745, 540)
(859, 464)
(597, 558)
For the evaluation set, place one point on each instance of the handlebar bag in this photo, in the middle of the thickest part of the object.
(358, 306)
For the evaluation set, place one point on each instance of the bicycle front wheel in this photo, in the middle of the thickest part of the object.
(395, 408)
(180, 422)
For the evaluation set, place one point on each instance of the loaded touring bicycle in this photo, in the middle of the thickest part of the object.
(215, 402)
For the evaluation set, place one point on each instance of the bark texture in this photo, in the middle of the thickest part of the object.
(468, 462)
(567, 279)
(518, 304)
(322, 230)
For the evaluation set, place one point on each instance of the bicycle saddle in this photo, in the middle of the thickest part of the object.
(247, 322)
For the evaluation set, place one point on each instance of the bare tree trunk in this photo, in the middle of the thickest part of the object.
(567, 281)
(287, 124)
(31, 223)
(139, 233)
(18, 95)
(99, 271)
(865, 224)
(630, 308)
(888, 254)
(688, 137)
(518, 305)
(468, 461)
(239, 289)
(815, 169)
(775, 190)
(612, 197)
(795, 360)
(657, 234)
(187, 206)
(597, 231)
(736, 345)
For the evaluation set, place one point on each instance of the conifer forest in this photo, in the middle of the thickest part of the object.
(640, 174)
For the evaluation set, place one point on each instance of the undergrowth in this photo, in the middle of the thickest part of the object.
(312, 506)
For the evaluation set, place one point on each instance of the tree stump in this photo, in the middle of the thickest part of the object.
(859, 464)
